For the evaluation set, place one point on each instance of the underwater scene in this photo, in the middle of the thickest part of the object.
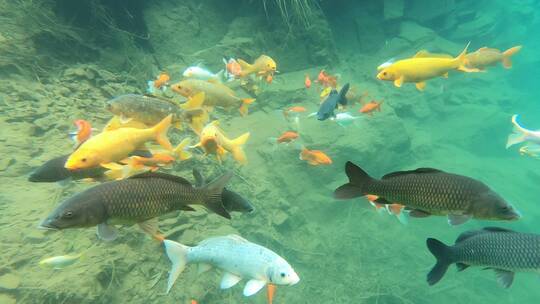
(269, 151)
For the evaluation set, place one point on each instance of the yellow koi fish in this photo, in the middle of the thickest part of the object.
(113, 146)
(264, 65)
(420, 68)
(214, 141)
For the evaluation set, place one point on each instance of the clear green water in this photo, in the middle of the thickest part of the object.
(343, 251)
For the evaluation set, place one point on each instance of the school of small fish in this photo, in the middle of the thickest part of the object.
(133, 189)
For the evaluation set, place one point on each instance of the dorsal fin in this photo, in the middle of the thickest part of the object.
(416, 171)
(497, 229)
(426, 54)
(166, 176)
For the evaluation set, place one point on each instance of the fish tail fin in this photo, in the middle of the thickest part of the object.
(246, 67)
(519, 135)
(160, 131)
(444, 258)
(462, 61)
(214, 191)
(237, 148)
(358, 182)
(180, 150)
(177, 254)
(245, 104)
(506, 61)
(221, 75)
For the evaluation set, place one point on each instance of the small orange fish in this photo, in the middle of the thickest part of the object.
(269, 78)
(161, 80)
(287, 137)
(270, 292)
(233, 67)
(295, 110)
(315, 157)
(370, 107)
(193, 302)
(84, 131)
(307, 82)
(326, 80)
(395, 209)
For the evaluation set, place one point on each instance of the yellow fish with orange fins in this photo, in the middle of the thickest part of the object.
(264, 65)
(116, 145)
(214, 141)
(420, 68)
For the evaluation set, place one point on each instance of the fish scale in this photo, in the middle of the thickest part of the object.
(503, 250)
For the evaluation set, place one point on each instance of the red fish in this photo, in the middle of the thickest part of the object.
(327, 80)
(287, 137)
(307, 82)
(315, 157)
(84, 131)
(371, 106)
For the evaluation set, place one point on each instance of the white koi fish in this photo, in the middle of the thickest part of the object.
(520, 134)
(200, 73)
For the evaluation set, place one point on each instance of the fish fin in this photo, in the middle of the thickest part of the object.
(160, 131)
(419, 213)
(358, 181)
(421, 54)
(107, 232)
(382, 201)
(199, 178)
(403, 217)
(421, 85)
(514, 139)
(150, 227)
(497, 229)
(445, 75)
(203, 267)
(443, 255)
(177, 254)
(253, 286)
(504, 277)
(194, 102)
(506, 61)
(237, 148)
(229, 280)
(399, 81)
(174, 178)
(245, 104)
(180, 150)
(214, 192)
(415, 171)
(454, 219)
(462, 266)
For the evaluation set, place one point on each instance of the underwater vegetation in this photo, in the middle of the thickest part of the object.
(271, 151)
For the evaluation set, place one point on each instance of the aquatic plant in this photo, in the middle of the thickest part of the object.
(294, 11)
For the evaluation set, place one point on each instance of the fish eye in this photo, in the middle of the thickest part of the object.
(67, 214)
(83, 160)
(384, 73)
(282, 274)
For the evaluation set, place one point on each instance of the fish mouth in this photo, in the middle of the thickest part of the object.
(47, 225)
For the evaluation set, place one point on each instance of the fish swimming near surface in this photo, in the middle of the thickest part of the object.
(330, 104)
(420, 68)
(262, 66)
(216, 94)
(140, 199)
(427, 191)
(503, 250)
(485, 57)
(201, 73)
(521, 134)
(237, 257)
(150, 110)
(116, 145)
(213, 140)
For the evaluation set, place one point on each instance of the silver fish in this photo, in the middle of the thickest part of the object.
(239, 258)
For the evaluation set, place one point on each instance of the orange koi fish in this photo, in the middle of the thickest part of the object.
(287, 137)
(83, 133)
(307, 82)
(371, 107)
(161, 80)
(315, 157)
(326, 80)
